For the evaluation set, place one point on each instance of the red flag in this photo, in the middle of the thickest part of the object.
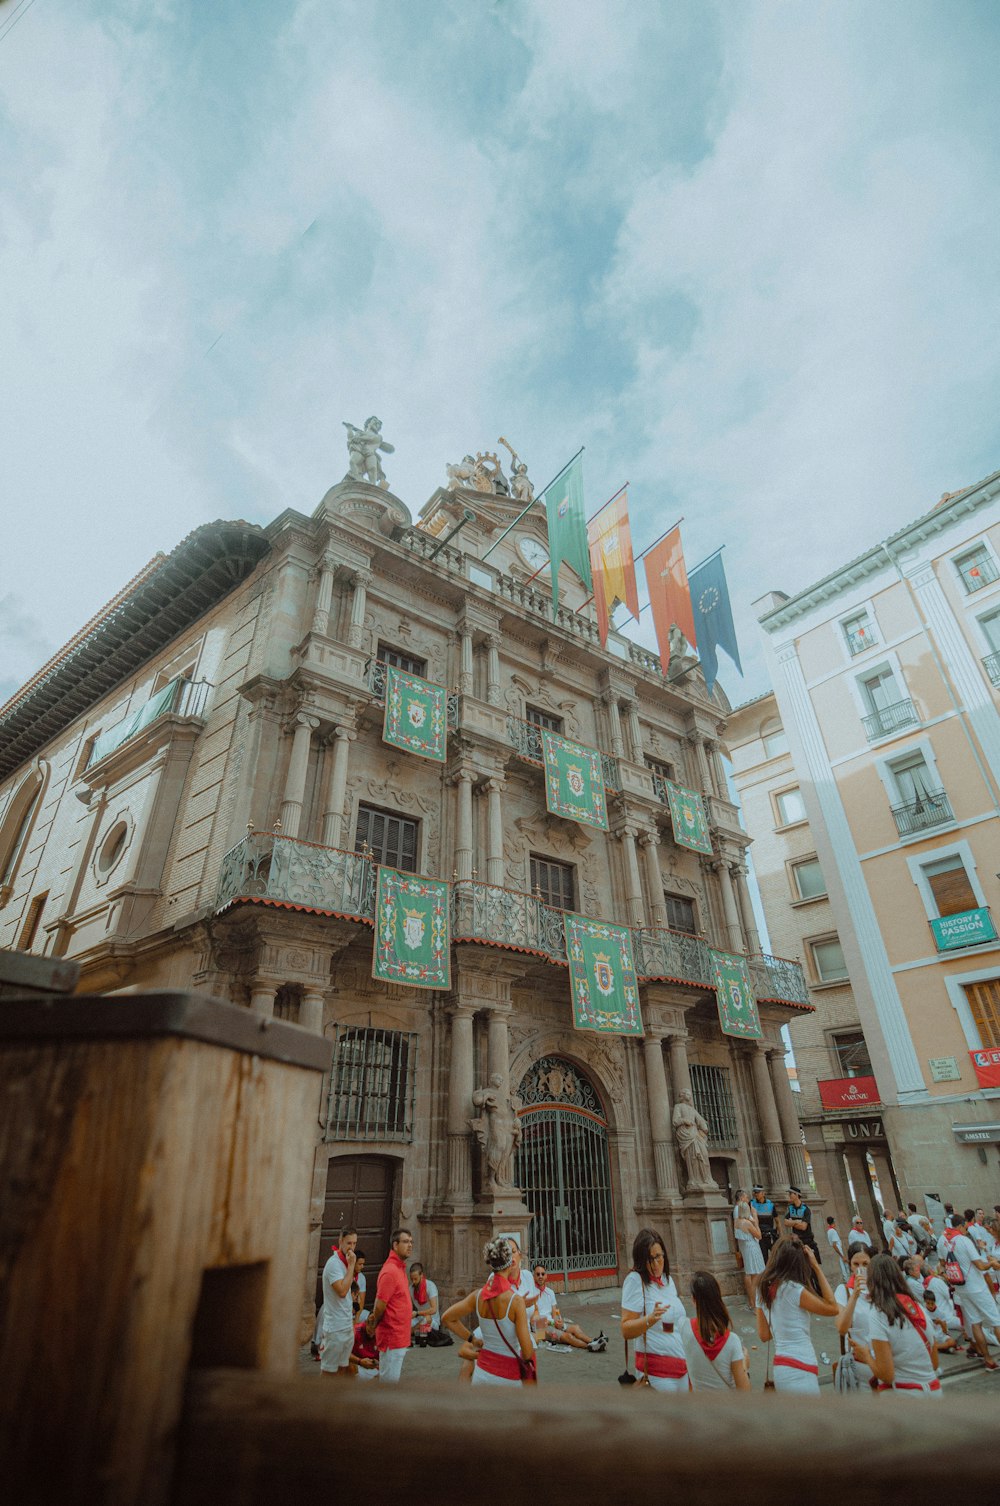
(612, 565)
(669, 597)
(987, 1067)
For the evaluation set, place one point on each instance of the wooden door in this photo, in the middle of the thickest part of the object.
(360, 1194)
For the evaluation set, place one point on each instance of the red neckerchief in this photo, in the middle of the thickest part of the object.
(657, 1281)
(713, 1348)
(496, 1286)
(951, 1235)
(850, 1283)
(420, 1291)
(914, 1312)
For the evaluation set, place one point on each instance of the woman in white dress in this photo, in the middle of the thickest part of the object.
(651, 1313)
(503, 1319)
(716, 1359)
(747, 1231)
(786, 1295)
(853, 1320)
(902, 1353)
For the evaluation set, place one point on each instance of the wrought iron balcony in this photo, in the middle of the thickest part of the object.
(526, 739)
(611, 772)
(991, 664)
(660, 787)
(375, 679)
(861, 639)
(890, 719)
(983, 572)
(932, 809)
(179, 698)
(660, 953)
(507, 918)
(778, 978)
(265, 865)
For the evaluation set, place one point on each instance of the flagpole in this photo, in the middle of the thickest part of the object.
(705, 560)
(613, 498)
(531, 504)
(663, 535)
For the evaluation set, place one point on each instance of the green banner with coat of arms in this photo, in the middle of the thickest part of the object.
(602, 977)
(412, 930)
(688, 819)
(737, 1000)
(416, 714)
(574, 781)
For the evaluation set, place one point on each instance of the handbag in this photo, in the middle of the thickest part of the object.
(642, 1379)
(527, 1369)
(768, 1377)
(846, 1377)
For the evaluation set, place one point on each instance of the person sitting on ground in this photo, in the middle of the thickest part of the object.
(902, 1352)
(716, 1358)
(364, 1355)
(424, 1296)
(506, 1339)
(551, 1327)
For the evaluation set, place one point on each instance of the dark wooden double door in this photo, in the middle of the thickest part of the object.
(360, 1194)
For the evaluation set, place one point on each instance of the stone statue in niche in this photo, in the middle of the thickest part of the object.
(363, 445)
(691, 1134)
(498, 1130)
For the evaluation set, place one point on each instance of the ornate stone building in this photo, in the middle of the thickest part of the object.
(196, 793)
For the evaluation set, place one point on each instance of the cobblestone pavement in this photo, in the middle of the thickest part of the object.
(598, 1310)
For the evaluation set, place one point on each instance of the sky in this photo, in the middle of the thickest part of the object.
(746, 253)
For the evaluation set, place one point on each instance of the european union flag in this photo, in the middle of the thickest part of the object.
(713, 616)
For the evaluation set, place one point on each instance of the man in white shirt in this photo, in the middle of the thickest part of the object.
(888, 1226)
(338, 1308)
(834, 1241)
(551, 1327)
(920, 1226)
(859, 1234)
(977, 1231)
(978, 1303)
(523, 1283)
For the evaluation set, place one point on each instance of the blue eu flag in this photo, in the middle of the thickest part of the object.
(713, 616)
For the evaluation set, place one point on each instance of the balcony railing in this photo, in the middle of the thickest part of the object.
(179, 698)
(526, 739)
(890, 719)
(860, 639)
(991, 664)
(979, 574)
(660, 953)
(507, 918)
(778, 978)
(265, 865)
(932, 809)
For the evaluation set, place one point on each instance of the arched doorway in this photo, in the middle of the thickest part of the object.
(563, 1168)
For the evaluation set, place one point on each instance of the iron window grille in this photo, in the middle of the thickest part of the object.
(370, 1091)
(991, 664)
(713, 1098)
(977, 570)
(860, 637)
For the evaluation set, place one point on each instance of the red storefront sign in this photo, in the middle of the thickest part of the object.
(987, 1067)
(848, 1092)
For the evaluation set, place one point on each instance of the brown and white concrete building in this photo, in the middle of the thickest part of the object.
(871, 786)
(195, 792)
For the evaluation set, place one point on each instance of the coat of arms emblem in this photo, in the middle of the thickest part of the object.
(688, 815)
(417, 714)
(574, 778)
(735, 995)
(414, 925)
(604, 975)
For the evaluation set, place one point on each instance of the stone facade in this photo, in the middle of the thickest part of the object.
(223, 834)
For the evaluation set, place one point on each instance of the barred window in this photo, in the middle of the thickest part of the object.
(371, 1085)
(712, 1092)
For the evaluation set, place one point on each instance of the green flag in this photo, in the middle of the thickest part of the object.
(416, 714)
(412, 930)
(735, 996)
(567, 523)
(602, 976)
(574, 781)
(688, 819)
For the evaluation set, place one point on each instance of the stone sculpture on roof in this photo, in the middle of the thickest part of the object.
(483, 472)
(363, 445)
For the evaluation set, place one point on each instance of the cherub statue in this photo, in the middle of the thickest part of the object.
(498, 1130)
(363, 445)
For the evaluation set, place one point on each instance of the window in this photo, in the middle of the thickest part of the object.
(406, 662)
(30, 928)
(851, 1050)
(187, 672)
(984, 1002)
(976, 568)
(828, 959)
(391, 839)
(680, 914)
(859, 632)
(661, 772)
(370, 1095)
(949, 883)
(774, 738)
(888, 708)
(713, 1098)
(16, 824)
(808, 880)
(543, 719)
(919, 805)
(990, 625)
(552, 882)
(791, 807)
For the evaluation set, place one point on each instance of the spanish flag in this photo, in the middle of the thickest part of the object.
(611, 562)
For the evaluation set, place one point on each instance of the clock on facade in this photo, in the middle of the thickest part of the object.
(534, 554)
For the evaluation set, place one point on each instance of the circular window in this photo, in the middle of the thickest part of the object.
(112, 847)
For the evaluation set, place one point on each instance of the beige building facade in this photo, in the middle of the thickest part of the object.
(886, 677)
(196, 792)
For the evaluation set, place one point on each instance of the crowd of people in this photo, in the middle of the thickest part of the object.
(896, 1310)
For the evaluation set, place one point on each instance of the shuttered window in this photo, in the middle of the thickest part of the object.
(391, 839)
(543, 719)
(950, 886)
(553, 882)
(984, 1002)
(406, 662)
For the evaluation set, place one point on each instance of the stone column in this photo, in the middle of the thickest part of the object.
(788, 1117)
(885, 1171)
(262, 998)
(311, 1011)
(361, 580)
(303, 727)
(767, 1113)
(492, 641)
(463, 824)
(715, 770)
(733, 929)
(498, 1044)
(633, 883)
(659, 1117)
(494, 828)
(680, 1076)
(703, 777)
(615, 724)
(745, 904)
(333, 815)
(634, 730)
(324, 595)
(460, 1083)
(465, 674)
(649, 842)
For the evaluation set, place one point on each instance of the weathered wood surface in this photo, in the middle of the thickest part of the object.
(130, 1166)
(20, 973)
(250, 1441)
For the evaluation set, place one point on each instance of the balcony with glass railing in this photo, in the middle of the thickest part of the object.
(923, 814)
(991, 664)
(181, 697)
(889, 719)
(267, 866)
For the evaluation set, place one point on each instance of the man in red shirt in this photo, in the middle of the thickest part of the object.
(393, 1312)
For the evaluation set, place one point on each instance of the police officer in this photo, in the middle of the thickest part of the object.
(798, 1220)
(763, 1209)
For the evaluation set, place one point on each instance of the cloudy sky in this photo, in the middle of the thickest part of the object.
(747, 253)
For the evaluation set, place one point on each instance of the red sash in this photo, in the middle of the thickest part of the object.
(663, 1366)
(934, 1385)
(784, 1359)
(504, 1365)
